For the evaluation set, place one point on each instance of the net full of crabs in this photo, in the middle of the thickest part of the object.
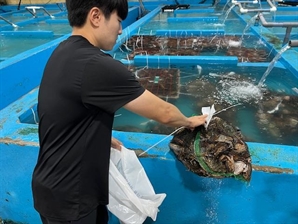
(217, 151)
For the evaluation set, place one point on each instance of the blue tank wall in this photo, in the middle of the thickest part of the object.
(22, 73)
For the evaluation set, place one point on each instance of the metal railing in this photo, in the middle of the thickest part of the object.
(32, 10)
(7, 21)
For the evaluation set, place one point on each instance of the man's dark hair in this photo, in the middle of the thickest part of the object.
(79, 9)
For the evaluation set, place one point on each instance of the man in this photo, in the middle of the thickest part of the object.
(80, 91)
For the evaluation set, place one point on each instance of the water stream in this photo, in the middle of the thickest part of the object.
(272, 63)
(248, 25)
(233, 43)
(227, 13)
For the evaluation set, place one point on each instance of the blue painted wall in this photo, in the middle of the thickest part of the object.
(133, 15)
(22, 73)
(189, 197)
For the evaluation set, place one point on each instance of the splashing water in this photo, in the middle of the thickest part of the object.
(213, 189)
(239, 92)
(272, 63)
(233, 43)
(218, 24)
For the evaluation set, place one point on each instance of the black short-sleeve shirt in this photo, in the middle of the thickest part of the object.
(80, 91)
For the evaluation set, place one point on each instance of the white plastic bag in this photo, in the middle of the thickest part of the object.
(131, 196)
(210, 111)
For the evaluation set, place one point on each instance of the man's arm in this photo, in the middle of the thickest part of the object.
(150, 106)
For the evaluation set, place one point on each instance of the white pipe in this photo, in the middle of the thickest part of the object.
(243, 10)
(253, 2)
(33, 7)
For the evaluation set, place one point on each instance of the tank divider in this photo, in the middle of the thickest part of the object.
(177, 60)
(187, 33)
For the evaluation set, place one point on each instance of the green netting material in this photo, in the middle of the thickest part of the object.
(202, 162)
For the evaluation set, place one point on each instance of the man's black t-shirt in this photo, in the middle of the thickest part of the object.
(80, 91)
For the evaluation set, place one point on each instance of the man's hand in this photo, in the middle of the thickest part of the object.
(116, 144)
(196, 121)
